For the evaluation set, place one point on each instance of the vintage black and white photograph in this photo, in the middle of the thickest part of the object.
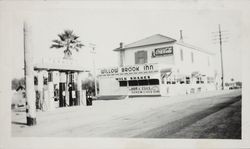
(125, 70)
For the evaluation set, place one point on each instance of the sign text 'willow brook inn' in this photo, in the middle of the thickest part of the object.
(128, 69)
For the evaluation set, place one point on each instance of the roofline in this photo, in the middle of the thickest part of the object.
(118, 49)
(193, 47)
(125, 48)
(58, 69)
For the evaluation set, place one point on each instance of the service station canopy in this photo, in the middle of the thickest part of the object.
(59, 65)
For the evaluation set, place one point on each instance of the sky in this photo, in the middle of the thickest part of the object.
(108, 24)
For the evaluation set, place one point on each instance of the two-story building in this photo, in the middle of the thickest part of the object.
(158, 65)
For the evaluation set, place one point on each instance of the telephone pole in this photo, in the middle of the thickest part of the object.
(221, 59)
(29, 75)
(221, 40)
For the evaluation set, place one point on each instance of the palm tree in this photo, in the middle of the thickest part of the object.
(69, 41)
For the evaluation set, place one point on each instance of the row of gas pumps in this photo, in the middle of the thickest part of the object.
(56, 89)
(50, 85)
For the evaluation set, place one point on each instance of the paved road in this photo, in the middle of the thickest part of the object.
(180, 120)
(208, 117)
(222, 120)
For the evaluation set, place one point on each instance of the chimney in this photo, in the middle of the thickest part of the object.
(181, 37)
(121, 45)
(121, 54)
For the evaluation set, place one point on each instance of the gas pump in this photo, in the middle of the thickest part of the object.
(62, 94)
(72, 90)
(62, 90)
(89, 98)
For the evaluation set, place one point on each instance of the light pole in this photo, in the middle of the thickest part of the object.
(93, 46)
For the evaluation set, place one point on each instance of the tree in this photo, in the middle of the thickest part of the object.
(89, 84)
(239, 84)
(69, 41)
(16, 83)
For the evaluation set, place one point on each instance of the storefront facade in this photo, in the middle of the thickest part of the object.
(159, 65)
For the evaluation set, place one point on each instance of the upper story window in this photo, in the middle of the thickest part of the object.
(141, 57)
(192, 57)
(208, 61)
(181, 54)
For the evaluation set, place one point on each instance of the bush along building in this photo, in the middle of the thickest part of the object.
(160, 66)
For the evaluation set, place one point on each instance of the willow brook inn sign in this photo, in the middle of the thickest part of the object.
(128, 70)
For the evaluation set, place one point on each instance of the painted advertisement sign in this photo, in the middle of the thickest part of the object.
(135, 69)
(162, 51)
(144, 90)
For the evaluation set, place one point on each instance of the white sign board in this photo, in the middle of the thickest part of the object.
(134, 69)
(144, 90)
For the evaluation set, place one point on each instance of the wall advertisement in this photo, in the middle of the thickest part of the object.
(144, 90)
(162, 51)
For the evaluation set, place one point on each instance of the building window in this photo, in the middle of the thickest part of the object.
(199, 80)
(123, 83)
(210, 80)
(182, 80)
(50, 77)
(162, 80)
(35, 80)
(187, 80)
(208, 61)
(153, 82)
(181, 54)
(71, 77)
(132, 82)
(141, 57)
(192, 57)
(143, 82)
(45, 81)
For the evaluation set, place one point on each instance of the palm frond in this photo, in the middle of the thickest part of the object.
(68, 33)
(57, 41)
(56, 46)
(76, 49)
(67, 52)
(79, 45)
(76, 37)
(62, 37)
(73, 41)
(68, 40)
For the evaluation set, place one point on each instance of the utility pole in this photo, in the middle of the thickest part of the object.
(219, 38)
(93, 46)
(29, 76)
(221, 59)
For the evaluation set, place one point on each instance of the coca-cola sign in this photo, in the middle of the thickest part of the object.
(163, 51)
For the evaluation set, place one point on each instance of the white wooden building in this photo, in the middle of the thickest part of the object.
(160, 63)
